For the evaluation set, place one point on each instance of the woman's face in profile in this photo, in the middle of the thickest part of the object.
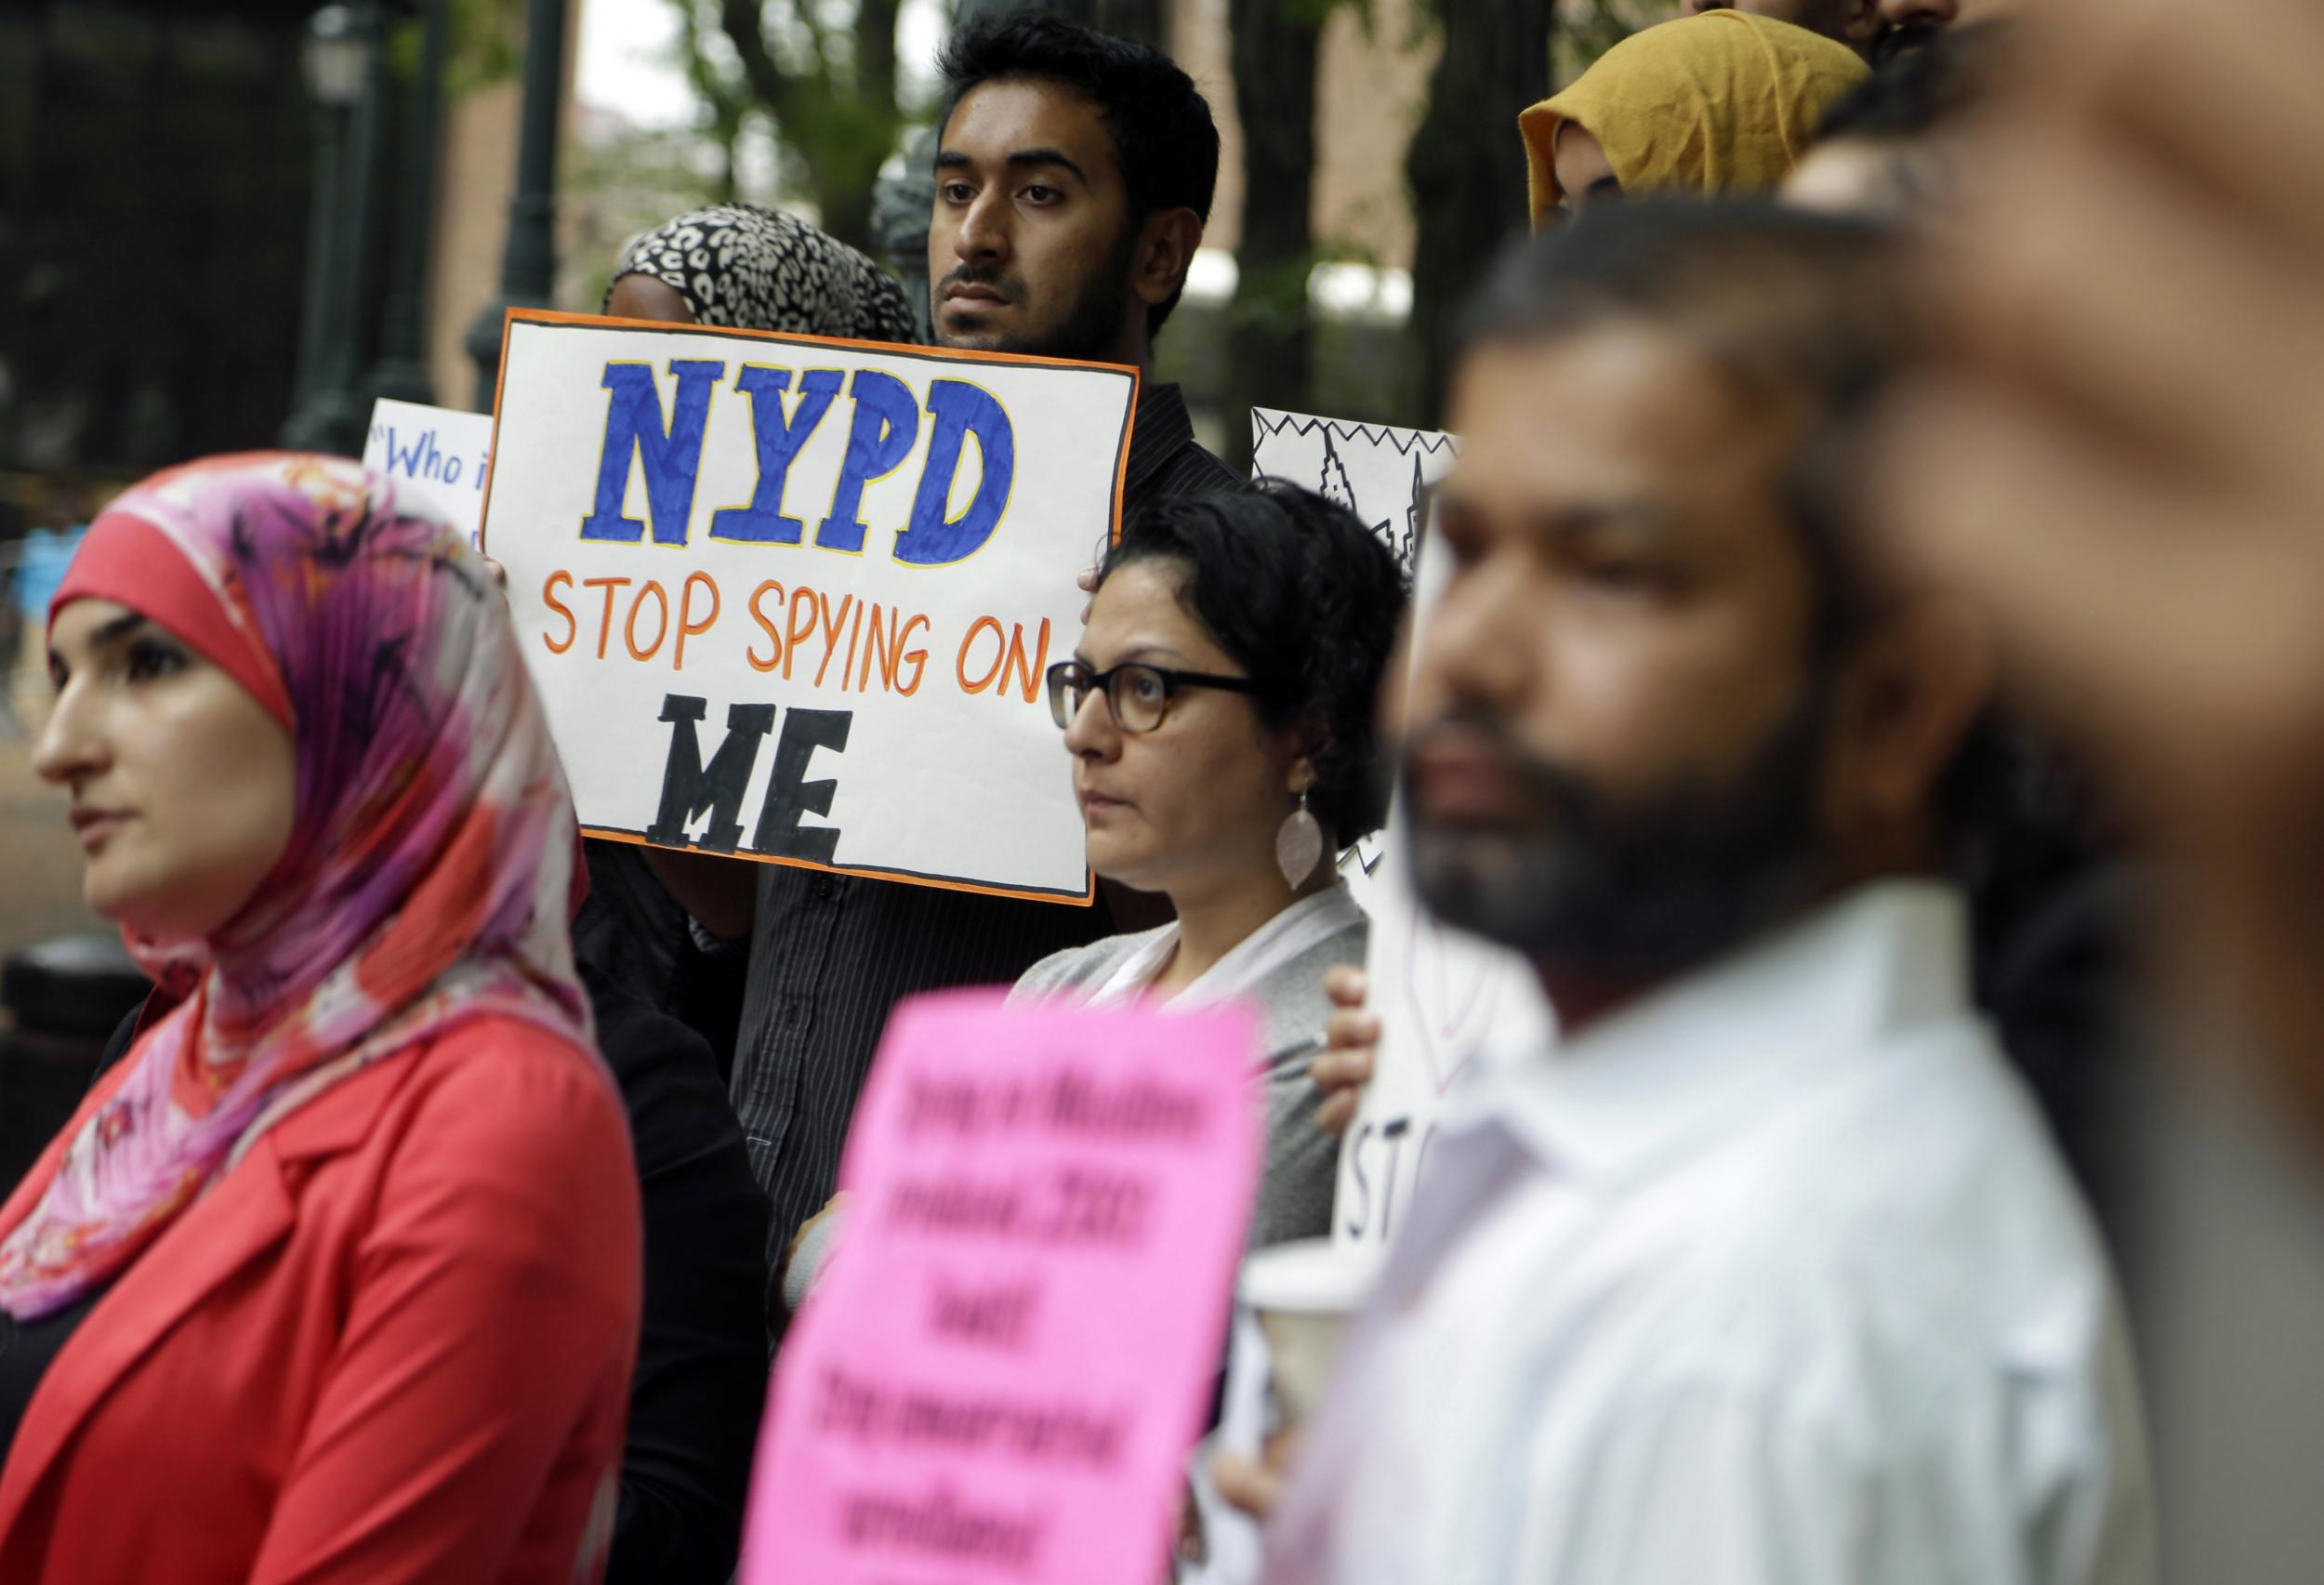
(184, 788)
(1584, 174)
(1194, 804)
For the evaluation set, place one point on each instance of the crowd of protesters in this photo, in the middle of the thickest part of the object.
(1829, 481)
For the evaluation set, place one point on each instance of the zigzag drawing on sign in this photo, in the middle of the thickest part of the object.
(1378, 471)
(1267, 422)
(1333, 486)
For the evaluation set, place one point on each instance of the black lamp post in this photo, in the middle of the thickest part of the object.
(336, 60)
(528, 264)
(401, 372)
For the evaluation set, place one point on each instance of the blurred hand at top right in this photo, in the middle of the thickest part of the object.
(2122, 451)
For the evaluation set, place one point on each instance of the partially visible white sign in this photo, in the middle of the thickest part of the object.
(1445, 999)
(437, 456)
(1382, 474)
(1378, 471)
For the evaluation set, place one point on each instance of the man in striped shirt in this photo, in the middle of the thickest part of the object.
(1073, 175)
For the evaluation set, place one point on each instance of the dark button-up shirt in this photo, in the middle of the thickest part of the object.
(1165, 458)
(831, 955)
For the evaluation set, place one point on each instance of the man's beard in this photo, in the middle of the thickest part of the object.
(1639, 888)
(1093, 332)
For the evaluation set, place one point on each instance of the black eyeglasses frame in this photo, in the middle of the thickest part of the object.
(1061, 676)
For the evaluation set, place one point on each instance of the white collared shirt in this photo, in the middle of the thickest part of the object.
(1774, 1278)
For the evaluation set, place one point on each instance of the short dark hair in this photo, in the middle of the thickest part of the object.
(1164, 137)
(1796, 309)
(1791, 305)
(1306, 598)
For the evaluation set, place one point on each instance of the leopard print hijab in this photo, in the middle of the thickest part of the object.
(754, 269)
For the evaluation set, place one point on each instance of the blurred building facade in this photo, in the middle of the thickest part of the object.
(153, 185)
(156, 186)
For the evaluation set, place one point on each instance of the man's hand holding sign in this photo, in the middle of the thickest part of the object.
(791, 598)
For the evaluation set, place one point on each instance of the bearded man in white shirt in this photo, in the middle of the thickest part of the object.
(1769, 1274)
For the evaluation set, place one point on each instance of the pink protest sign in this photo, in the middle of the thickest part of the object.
(1006, 1362)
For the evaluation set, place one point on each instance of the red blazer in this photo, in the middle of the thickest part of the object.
(393, 1344)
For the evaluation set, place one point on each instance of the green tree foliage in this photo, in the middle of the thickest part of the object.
(1589, 27)
(484, 44)
(725, 98)
(825, 71)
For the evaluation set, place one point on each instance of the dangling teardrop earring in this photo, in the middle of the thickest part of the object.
(1299, 844)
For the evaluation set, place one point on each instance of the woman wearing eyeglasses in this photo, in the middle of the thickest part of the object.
(1219, 711)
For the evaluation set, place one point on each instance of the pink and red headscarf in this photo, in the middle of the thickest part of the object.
(430, 874)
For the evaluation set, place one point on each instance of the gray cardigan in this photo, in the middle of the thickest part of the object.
(1302, 1161)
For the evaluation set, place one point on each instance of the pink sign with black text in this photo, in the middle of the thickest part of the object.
(1002, 1368)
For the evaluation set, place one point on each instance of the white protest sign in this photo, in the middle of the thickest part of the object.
(1446, 999)
(999, 1378)
(793, 599)
(437, 456)
(1443, 998)
(1380, 473)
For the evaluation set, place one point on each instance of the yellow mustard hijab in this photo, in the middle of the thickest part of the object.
(1720, 103)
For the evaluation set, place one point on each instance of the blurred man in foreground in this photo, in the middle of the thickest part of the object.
(1771, 1274)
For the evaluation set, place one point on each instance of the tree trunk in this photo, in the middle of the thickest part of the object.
(1467, 164)
(840, 118)
(1140, 19)
(1274, 46)
(875, 59)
